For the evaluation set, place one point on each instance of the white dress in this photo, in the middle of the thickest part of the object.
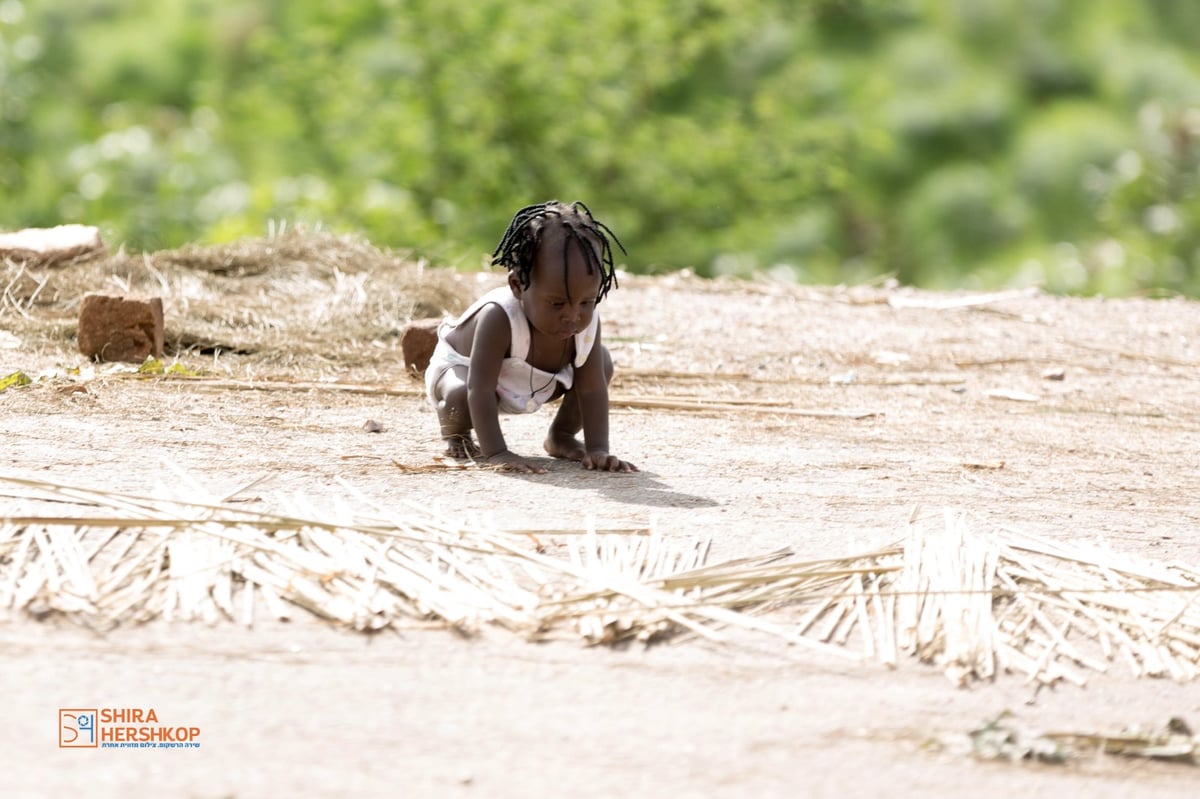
(521, 387)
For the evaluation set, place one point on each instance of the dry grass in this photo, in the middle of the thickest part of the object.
(293, 296)
(976, 607)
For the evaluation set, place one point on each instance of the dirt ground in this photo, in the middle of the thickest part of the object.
(840, 413)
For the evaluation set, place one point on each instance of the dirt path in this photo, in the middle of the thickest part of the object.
(843, 413)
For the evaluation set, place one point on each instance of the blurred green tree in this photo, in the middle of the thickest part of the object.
(970, 142)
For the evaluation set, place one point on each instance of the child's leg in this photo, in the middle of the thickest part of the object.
(561, 441)
(454, 414)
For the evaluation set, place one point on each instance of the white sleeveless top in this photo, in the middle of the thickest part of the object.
(521, 387)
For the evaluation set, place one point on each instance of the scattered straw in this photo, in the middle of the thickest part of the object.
(976, 607)
(1007, 738)
(292, 294)
(779, 407)
(980, 606)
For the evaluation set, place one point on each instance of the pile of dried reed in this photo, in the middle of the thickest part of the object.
(976, 607)
(294, 293)
(54, 246)
(1014, 603)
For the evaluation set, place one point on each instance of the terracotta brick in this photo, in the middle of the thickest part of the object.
(120, 329)
(418, 342)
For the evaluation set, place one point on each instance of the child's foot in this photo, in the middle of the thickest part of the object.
(563, 446)
(462, 448)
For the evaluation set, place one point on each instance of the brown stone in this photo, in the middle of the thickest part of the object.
(418, 342)
(120, 329)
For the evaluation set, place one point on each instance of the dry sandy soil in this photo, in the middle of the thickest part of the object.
(907, 393)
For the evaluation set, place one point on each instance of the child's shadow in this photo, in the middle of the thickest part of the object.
(631, 488)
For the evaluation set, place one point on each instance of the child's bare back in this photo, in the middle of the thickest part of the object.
(533, 341)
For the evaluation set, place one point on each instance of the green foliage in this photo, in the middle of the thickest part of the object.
(155, 366)
(950, 142)
(14, 380)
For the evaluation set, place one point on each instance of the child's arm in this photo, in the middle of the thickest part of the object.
(488, 348)
(591, 386)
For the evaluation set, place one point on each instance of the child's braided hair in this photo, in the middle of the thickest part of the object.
(519, 246)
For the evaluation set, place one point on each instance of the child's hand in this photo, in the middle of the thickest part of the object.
(508, 462)
(603, 462)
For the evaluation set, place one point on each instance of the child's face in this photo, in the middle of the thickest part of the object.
(559, 304)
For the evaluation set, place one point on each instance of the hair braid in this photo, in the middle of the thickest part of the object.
(519, 246)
